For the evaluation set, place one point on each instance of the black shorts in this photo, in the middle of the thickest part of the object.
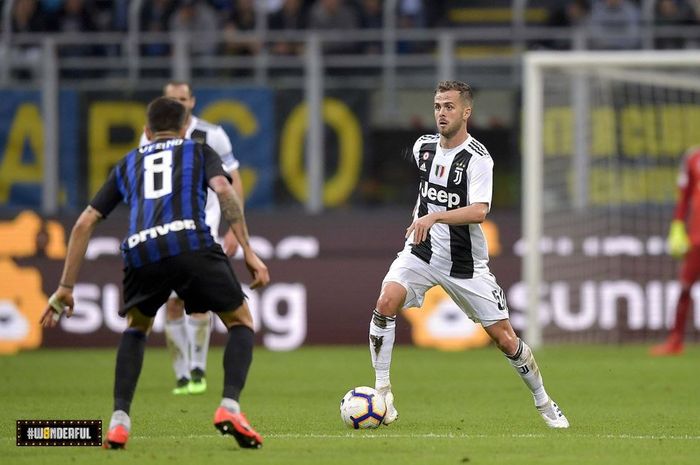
(203, 278)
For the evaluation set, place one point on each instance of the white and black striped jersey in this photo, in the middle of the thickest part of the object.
(451, 179)
(214, 136)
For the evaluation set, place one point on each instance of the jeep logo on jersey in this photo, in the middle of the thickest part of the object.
(439, 196)
(160, 230)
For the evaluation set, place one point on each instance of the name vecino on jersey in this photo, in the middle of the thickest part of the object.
(160, 145)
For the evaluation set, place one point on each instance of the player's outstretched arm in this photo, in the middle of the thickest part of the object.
(232, 211)
(62, 300)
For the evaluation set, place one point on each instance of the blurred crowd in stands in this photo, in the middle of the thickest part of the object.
(166, 15)
(612, 24)
(616, 24)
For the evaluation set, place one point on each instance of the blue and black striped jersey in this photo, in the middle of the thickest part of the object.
(165, 187)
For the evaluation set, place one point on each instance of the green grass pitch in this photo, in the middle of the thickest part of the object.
(456, 408)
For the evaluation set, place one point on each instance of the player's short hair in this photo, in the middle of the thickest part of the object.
(166, 114)
(175, 83)
(465, 91)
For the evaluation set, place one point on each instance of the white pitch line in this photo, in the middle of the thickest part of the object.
(374, 436)
(640, 437)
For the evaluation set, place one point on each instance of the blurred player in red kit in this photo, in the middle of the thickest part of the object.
(684, 242)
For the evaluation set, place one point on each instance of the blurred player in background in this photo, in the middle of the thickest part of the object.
(445, 246)
(169, 247)
(187, 336)
(684, 244)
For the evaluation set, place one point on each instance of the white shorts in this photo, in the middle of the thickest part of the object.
(480, 297)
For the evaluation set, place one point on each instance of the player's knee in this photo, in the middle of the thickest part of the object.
(200, 316)
(507, 343)
(174, 309)
(388, 305)
(239, 316)
(143, 325)
(391, 299)
(243, 320)
(504, 337)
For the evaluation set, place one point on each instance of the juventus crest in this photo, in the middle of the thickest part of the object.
(459, 170)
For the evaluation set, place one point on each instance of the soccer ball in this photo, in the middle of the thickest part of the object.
(362, 407)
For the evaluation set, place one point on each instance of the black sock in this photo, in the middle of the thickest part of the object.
(237, 358)
(128, 369)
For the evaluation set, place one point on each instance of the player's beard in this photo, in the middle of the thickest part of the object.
(450, 130)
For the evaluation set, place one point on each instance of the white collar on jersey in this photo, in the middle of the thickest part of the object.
(460, 147)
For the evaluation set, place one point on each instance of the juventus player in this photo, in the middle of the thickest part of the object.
(187, 336)
(445, 246)
(169, 246)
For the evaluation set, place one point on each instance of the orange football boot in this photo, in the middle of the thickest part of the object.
(116, 438)
(236, 424)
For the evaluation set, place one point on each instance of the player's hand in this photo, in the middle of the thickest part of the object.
(60, 302)
(230, 243)
(420, 228)
(257, 269)
(678, 242)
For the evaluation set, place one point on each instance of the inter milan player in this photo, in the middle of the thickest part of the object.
(445, 246)
(169, 247)
(187, 336)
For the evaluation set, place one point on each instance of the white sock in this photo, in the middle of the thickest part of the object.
(524, 363)
(120, 417)
(198, 333)
(230, 405)
(176, 340)
(382, 333)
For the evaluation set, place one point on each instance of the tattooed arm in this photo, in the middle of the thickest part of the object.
(230, 243)
(232, 211)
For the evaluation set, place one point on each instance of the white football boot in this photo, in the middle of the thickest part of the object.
(552, 415)
(391, 413)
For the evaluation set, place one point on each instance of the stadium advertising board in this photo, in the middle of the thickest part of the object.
(345, 116)
(22, 150)
(644, 139)
(113, 125)
(267, 130)
(326, 272)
